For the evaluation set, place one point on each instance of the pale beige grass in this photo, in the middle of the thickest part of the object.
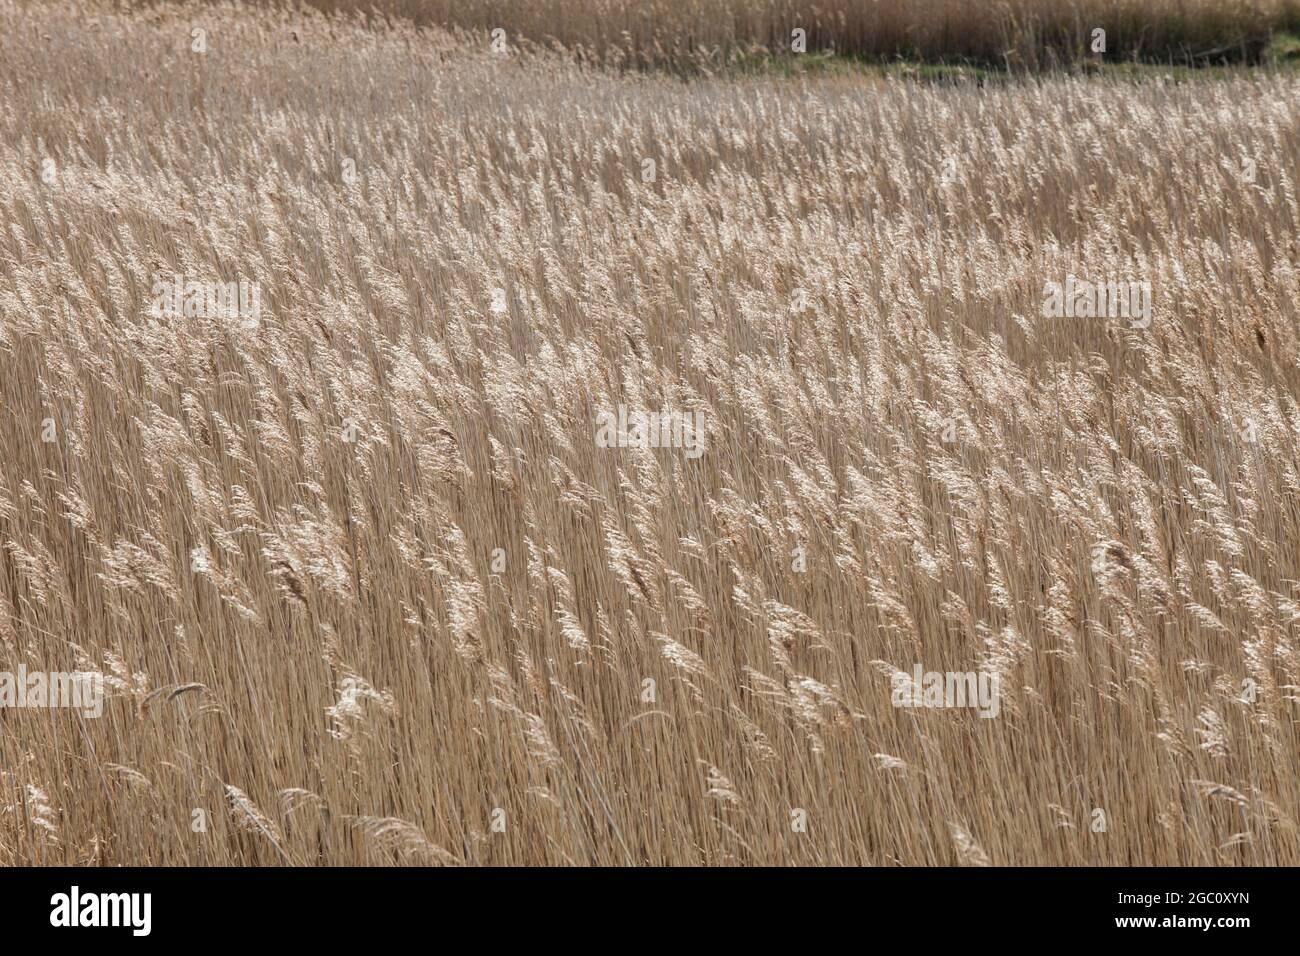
(342, 677)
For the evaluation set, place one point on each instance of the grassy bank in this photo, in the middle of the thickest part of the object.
(1011, 34)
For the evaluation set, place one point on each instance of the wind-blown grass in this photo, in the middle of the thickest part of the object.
(472, 636)
(1018, 34)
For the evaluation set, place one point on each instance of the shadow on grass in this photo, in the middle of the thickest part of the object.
(1281, 53)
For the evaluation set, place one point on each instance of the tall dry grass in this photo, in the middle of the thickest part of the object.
(1020, 34)
(308, 647)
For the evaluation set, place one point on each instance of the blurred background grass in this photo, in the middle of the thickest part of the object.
(1005, 34)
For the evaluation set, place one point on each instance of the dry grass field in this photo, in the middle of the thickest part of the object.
(366, 587)
(1019, 34)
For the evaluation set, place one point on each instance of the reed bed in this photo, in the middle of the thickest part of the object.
(365, 589)
(1015, 34)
